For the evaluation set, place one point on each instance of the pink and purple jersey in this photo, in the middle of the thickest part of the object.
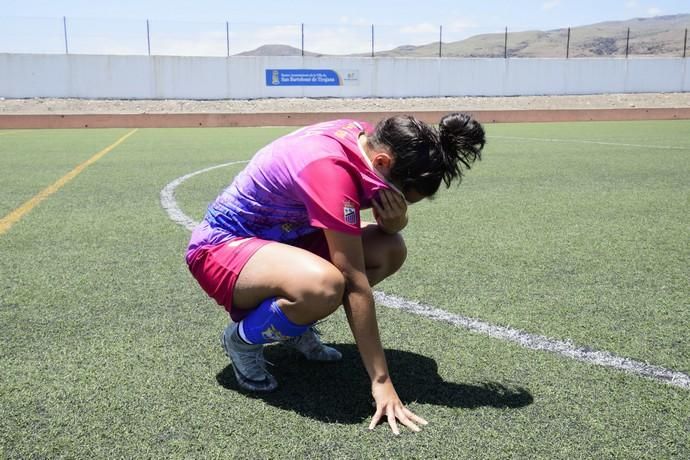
(314, 178)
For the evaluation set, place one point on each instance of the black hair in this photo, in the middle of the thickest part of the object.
(425, 156)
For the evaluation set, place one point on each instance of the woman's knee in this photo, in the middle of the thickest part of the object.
(397, 252)
(323, 287)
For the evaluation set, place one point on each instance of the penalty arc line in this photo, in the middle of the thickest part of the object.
(531, 341)
(169, 202)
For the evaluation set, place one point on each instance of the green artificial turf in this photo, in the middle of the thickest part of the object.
(110, 350)
(30, 160)
(580, 241)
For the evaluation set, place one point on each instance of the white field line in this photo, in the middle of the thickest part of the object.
(169, 202)
(582, 141)
(538, 342)
(534, 342)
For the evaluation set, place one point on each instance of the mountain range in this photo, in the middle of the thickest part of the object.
(657, 36)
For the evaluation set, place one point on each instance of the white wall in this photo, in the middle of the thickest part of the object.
(167, 77)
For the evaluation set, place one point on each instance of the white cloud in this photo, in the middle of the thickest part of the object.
(417, 29)
(551, 4)
(206, 44)
(337, 40)
(456, 26)
(654, 11)
(354, 21)
(245, 37)
(632, 4)
(461, 25)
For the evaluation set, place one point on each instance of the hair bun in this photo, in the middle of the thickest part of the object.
(426, 155)
(462, 138)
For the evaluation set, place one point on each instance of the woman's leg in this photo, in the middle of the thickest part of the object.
(308, 288)
(384, 254)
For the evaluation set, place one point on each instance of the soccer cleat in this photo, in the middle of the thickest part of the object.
(247, 361)
(310, 345)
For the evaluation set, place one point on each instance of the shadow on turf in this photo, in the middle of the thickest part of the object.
(339, 392)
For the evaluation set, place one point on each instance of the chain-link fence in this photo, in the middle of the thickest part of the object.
(658, 37)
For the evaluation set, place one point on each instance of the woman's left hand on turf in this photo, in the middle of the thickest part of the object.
(390, 211)
(388, 405)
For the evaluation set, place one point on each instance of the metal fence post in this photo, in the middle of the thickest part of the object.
(567, 46)
(302, 28)
(227, 37)
(440, 41)
(505, 45)
(64, 28)
(148, 37)
(372, 40)
(627, 44)
(685, 43)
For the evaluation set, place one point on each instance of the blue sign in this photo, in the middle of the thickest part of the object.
(302, 77)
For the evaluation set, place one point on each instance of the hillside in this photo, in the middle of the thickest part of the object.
(658, 36)
(276, 50)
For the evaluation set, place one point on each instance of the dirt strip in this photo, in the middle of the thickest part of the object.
(182, 120)
(71, 106)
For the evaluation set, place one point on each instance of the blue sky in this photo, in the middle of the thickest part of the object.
(198, 27)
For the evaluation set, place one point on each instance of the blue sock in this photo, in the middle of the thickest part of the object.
(267, 323)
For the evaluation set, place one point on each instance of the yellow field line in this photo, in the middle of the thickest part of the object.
(9, 132)
(13, 217)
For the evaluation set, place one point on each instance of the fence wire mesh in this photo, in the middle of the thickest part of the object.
(655, 37)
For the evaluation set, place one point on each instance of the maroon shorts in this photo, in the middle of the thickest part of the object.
(217, 267)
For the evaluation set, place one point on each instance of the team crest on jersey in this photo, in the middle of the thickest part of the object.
(350, 212)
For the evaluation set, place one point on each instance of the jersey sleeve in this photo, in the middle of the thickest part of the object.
(329, 191)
